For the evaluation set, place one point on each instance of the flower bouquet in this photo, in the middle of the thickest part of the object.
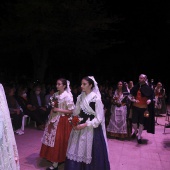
(53, 101)
(116, 101)
(75, 120)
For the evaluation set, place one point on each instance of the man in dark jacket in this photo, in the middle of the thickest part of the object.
(37, 100)
(142, 96)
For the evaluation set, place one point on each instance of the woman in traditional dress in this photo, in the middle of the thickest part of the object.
(160, 99)
(87, 147)
(58, 128)
(118, 124)
(9, 159)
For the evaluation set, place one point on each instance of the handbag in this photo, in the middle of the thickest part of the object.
(146, 113)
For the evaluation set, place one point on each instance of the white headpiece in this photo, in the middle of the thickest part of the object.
(95, 88)
(68, 87)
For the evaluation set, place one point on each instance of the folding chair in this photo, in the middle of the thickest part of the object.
(167, 125)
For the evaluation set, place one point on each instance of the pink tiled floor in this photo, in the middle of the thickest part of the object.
(154, 154)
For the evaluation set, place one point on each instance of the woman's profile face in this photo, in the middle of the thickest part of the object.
(85, 86)
(119, 85)
(159, 84)
(60, 85)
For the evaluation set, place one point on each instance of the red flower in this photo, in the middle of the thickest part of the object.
(53, 101)
(75, 120)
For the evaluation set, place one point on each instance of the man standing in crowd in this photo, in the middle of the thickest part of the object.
(142, 96)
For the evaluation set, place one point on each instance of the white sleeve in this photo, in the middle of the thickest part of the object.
(99, 115)
(70, 103)
(77, 107)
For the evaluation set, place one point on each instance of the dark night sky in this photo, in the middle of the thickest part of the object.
(141, 46)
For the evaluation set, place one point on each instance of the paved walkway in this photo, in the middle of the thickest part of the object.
(154, 154)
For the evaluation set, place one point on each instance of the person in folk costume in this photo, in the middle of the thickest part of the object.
(9, 158)
(58, 128)
(160, 99)
(142, 96)
(87, 146)
(118, 126)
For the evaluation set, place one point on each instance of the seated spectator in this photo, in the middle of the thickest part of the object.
(29, 109)
(15, 112)
(37, 100)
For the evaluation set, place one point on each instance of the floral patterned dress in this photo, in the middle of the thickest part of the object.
(57, 131)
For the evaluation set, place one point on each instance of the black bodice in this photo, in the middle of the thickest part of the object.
(85, 116)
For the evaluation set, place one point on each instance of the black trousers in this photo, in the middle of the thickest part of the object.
(16, 120)
(138, 115)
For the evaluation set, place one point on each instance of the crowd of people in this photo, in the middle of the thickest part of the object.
(102, 111)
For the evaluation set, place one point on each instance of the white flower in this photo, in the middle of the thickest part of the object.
(80, 119)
